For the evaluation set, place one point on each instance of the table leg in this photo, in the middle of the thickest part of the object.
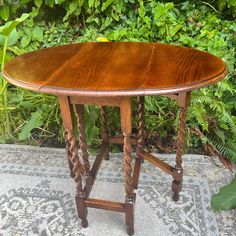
(105, 135)
(82, 209)
(82, 138)
(70, 164)
(178, 170)
(78, 168)
(125, 110)
(140, 140)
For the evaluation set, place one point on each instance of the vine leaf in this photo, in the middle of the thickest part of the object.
(226, 198)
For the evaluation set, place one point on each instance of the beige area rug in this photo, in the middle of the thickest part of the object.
(37, 197)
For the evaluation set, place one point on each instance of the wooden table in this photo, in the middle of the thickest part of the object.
(109, 74)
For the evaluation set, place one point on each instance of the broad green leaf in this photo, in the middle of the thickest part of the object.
(9, 26)
(4, 12)
(37, 34)
(34, 122)
(226, 198)
(12, 39)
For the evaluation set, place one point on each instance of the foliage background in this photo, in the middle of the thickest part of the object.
(28, 117)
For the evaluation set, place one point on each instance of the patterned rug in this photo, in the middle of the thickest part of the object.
(37, 197)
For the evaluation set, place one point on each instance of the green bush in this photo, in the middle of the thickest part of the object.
(202, 25)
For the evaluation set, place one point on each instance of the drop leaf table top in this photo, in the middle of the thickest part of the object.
(114, 69)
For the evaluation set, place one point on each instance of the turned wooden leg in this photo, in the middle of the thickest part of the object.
(78, 168)
(125, 110)
(105, 135)
(85, 156)
(82, 138)
(70, 164)
(178, 171)
(140, 141)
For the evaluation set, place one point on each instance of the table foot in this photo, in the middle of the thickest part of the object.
(72, 174)
(129, 215)
(177, 182)
(130, 231)
(176, 187)
(84, 223)
(82, 210)
(175, 197)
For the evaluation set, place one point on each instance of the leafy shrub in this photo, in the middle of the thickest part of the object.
(212, 115)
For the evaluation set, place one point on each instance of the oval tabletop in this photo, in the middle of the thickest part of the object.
(114, 69)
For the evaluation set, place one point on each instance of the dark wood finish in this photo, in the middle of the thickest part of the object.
(183, 101)
(114, 69)
(136, 174)
(126, 127)
(78, 168)
(107, 74)
(120, 140)
(105, 135)
(157, 162)
(103, 101)
(82, 139)
(140, 141)
(105, 205)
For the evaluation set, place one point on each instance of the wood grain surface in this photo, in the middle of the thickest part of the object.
(114, 69)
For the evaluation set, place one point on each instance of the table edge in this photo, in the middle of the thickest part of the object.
(112, 93)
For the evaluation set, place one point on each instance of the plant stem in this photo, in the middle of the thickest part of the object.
(4, 96)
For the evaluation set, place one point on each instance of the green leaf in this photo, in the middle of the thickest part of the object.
(91, 2)
(12, 39)
(34, 122)
(37, 34)
(106, 4)
(4, 12)
(25, 41)
(9, 26)
(226, 198)
(38, 3)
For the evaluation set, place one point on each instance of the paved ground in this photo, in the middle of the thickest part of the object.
(37, 197)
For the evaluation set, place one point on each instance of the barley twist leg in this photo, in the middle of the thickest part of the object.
(82, 139)
(125, 113)
(178, 171)
(70, 164)
(78, 170)
(129, 189)
(105, 135)
(140, 141)
(128, 166)
(140, 136)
